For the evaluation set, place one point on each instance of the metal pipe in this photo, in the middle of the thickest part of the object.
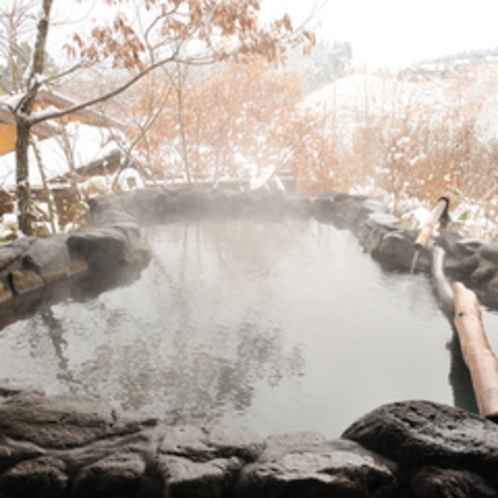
(438, 213)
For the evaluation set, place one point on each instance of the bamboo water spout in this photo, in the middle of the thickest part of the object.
(462, 305)
(441, 283)
(476, 351)
(439, 213)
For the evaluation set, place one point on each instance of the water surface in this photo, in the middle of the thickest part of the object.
(267, 327)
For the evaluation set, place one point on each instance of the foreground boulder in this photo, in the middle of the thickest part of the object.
(77, 446)
(305, 464)
(65, 421)
(442, 451)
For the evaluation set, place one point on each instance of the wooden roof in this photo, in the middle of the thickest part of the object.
(46, 98)
(43, 130)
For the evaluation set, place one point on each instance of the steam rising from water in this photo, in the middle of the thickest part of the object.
(267, 327)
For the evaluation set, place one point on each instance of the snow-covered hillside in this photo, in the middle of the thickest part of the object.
(396, 117)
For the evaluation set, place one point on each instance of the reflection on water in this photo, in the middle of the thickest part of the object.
(266, 327)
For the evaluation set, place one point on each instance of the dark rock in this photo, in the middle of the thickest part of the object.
(77, 266)
(204, 461)
(120, 475)
(486, 270)
(464, 267)
(43, 477)
(374, 227)
(311, 467)
(97, 205)
(131, 231)
(12, 251)
(195, 201)
(489, 252)
(348, 212)
(422, 433)
(492, 286)
(338, 196)
(130, 201)
(324, 205)
(168, 200)
(330, 196)
(343, 210)
(142, 199)
(9, 391)
(100, 247)
(64, 421)
(467, 247)
(385, 220)
(5, 291)
(13, 452)
(359, 213)
(49, 258)
(110, 211)
(185, 478)
(451, 242)
(24, 281)
(150, 205)
(436, 482)
(396, 251)
(371, 207)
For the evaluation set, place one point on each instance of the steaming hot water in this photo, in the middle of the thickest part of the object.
(266, 327)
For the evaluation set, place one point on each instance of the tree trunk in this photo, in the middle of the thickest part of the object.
(23, 130)
(23, 125)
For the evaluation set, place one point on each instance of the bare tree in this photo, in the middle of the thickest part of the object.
(15, 27)
(139, 40)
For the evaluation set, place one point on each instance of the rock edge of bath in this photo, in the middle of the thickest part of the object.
(111, 241)
(76, 446)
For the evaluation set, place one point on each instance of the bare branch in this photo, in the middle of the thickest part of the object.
(102, 98)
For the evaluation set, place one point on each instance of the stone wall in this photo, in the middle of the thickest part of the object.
(75, 446)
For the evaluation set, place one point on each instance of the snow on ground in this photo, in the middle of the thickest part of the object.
(364, 99)
(355, 98)
(468, 218)
(378, 93)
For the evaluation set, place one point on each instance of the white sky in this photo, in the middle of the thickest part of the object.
(384, 33)
(395, 33)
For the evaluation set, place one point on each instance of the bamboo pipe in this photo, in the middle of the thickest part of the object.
(476, 351)
(440, 211)
(441, 283)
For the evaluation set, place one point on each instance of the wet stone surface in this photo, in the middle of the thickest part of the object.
(72, 446)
